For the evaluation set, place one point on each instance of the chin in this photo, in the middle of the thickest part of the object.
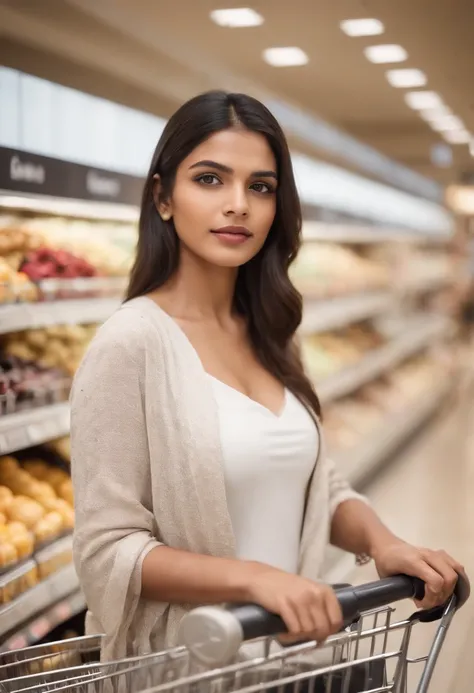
(234, 258)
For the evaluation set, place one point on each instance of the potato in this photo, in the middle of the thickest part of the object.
(6, 498)
(23, 543)
(8, 554)
(65, 491)
(48, 527)
(37, 468)
(25, 510)
(56, 477)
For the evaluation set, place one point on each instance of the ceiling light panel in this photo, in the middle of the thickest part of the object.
(362, 27)
(434, 114)
(422, 100)
(287, 56)
(389, 53)
(457, 136)
(237, 17)
(405, 79)
(449, 122)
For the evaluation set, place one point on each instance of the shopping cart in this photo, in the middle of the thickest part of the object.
(371, 654)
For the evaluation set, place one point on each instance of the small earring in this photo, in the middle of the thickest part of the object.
(166, 216)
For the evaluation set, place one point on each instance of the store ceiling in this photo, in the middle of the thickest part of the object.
(152, 54)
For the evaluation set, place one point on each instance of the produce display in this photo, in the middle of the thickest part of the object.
(107, 246)
(25, 384)
(324, 270)
(36, 507)
(328, 353)
(41, 258)
(49, 263)
(353, 420)
(57, 347)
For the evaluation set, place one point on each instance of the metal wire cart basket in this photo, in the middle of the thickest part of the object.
(371, 655)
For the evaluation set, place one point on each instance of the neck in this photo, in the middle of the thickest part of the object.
(200, 291)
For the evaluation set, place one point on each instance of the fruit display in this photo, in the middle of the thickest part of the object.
(49, 263)
(57, 347)
(107, 246)
(328, 353)
(324, 270)
(25, 384)
(43, 258)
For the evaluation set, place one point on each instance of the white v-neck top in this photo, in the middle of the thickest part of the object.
(268, 461)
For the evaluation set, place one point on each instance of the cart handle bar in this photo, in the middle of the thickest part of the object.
(214, 634)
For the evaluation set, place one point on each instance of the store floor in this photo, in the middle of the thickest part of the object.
(426, 496)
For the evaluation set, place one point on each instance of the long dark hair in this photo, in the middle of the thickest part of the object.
(264, 294)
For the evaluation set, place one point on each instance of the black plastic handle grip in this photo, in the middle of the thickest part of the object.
(256, 622)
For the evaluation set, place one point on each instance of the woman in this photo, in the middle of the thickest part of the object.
(198, 461)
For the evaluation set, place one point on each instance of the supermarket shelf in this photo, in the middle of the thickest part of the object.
(42, 608)
(81, 209)
(358, 466)
(338, 233)
(334, 313)
(384, 359)
(33, 427)
(23, 316)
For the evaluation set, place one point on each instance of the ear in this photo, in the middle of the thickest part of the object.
(163, 206)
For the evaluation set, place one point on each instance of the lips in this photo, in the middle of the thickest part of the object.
(233, 231)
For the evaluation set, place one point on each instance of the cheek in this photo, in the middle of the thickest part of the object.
(191, 211)
(264, 215)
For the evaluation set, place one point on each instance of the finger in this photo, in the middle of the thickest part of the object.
(458, 567)
(321, 626)
(290, 617)
(433, 584)
(333, 612)
(446, 571)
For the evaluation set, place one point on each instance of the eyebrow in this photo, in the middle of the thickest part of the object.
(207, 163)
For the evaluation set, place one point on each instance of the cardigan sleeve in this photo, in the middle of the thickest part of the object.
(339, 489)
(115, 526)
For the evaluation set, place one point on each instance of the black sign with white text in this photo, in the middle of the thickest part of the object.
(41, 175)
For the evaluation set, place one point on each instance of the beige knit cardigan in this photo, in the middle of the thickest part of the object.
(147, 470)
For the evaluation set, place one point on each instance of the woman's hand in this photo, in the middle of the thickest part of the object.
(438, 570)
(310, 610)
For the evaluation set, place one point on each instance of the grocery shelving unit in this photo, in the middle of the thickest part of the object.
(384, 359)
(25, 316)
(29, 617)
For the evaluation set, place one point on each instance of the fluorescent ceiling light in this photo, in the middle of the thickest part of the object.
(449, 122)
(287, 56)
(362, 27)
(433, 114)
(403, 79)
(237, 18)
(421, 100)
(457, 136)
(389, 53)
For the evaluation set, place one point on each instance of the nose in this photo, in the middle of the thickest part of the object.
(237, 202)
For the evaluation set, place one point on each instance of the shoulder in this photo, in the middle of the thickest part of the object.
(125, 343)
(130, 330)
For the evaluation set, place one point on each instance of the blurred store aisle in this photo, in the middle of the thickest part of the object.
(427, 497)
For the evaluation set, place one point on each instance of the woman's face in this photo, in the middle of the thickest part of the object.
(224, 198)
